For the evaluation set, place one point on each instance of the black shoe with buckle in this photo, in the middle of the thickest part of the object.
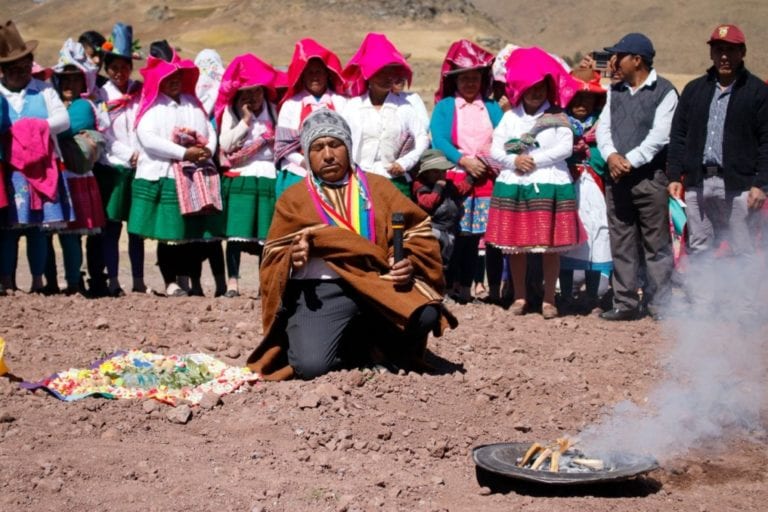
(620, 314)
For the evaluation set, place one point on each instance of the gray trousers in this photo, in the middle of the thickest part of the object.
(328, 326)
(716, 215)
(638, 221)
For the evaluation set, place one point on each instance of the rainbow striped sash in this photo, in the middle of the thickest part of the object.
(359, 216)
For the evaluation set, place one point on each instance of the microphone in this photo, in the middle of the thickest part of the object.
(398, 225)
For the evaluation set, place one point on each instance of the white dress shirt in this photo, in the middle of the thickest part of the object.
(657, 137)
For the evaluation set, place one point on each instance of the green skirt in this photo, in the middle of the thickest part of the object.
(249, 202)
(115, 189)
(155, 214)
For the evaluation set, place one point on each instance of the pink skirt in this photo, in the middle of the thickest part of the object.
(86, 201)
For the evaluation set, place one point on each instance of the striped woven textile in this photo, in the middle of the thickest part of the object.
(198, 185)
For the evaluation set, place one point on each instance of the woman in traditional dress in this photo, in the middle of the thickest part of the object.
(120, 99)
(587, 167)
(176, 140)
(533, 208)
(81, 146)
(314, 82)
(38, 198)
(388, 136)
(245, 115)
(462, 128)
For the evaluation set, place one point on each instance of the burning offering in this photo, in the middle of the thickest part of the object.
(562, 456)
(558, 463)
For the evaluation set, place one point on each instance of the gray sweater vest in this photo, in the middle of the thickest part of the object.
(632, 116)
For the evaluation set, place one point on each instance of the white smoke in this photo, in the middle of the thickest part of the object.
(715, 375)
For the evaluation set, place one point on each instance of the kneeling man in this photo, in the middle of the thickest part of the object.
(332, 292)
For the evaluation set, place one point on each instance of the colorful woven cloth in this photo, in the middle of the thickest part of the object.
(198, 185)
(142, 375)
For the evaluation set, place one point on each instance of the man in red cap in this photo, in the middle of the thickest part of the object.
(719, 149)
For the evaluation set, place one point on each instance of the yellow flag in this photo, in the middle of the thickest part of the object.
(3, 368)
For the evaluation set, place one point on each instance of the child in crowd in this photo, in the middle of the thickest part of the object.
(440, 198)
(81, 146)
(587, 167)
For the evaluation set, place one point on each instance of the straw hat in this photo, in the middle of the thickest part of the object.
(12, 46)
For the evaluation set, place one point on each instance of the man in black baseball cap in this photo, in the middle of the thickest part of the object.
(632, 135)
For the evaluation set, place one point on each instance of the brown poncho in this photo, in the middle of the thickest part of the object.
(362, 264)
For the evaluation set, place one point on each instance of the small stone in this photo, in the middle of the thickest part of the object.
(385, 435)
(101, 323)
(437, 480)
(522, 427)
(51, 484)
(233, 352)
(485, 491)
(565, 355)
(150, 406)
(210, 400)
(258, 508)
(111, 434)
(244, 326)
(7, 418)
(328, 390)
(309, 401)
(181, 414)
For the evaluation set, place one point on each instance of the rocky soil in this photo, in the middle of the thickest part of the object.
(349, 441)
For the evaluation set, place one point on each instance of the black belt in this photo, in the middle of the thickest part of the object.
(712, 170)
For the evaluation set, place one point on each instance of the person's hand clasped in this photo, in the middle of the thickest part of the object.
(618, 166)
(401, 272)
(197, 154)
(300, 251)
(473, 166)
(524, 163)
(756, 198)
(396, 170)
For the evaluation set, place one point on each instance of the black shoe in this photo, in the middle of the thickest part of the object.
(620, 314)
(117, 292)
(97, 288)
(196, 292)
(654, 313)
(230, 294)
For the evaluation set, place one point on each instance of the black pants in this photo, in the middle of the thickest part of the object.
(638, 214)
(328, 326)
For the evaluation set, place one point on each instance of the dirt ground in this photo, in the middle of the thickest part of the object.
(352, 440)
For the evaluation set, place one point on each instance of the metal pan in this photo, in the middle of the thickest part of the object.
(501, 459)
